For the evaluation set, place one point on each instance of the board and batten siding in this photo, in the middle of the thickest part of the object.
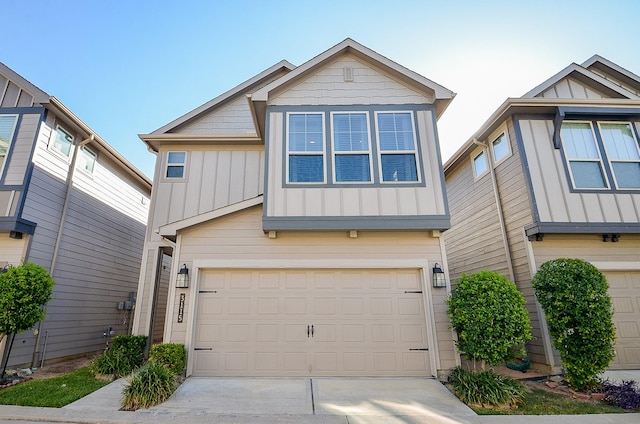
(327, 86)
(554, 200)
(11, 95)
(355, 201)
(570, 88)
(16, 169)
(216, 176)
(240, 237)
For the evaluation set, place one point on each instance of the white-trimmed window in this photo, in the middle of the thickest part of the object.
(61, 142)
(500, 148)
(583, 156)
(7, 129)
(176, 162)
(305, 148)
(397, 148)
(480, 165)
(623, 154)
(87, 160)
(351, 147)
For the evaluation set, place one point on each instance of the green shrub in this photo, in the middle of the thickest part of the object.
(574, 296)
(485, 388)
(125, 354)
(150, 385)
(171, 355)
(488, 314)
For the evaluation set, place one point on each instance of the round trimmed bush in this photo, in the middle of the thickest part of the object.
(488, 314)
(575, 298)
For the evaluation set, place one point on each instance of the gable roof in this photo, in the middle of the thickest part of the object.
(624, 76)
(38, 95)
(441, 95)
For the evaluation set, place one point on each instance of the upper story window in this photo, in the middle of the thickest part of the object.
(583, 155)
(397, 148)
(500, 147)
(305, 148)
(87, 160)
(7, 129)
(480, 165)
(351, 147)
(176, 162)
(61, 142)
(622, 153)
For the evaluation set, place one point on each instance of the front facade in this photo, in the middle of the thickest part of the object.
(71, 203)
(556, 173)
(307, 205)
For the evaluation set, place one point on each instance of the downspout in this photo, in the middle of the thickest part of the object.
(503, 228)
(65, 207)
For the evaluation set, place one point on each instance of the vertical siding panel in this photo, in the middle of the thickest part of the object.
(237, 176)
(350, 202)
(194, 188)
(331, 202)
(577, 90)
(433, 196)
(407, 202)
(369, 202)
(530, 143)
(252, 174)
(178, 199)
(207, 186)
(16, 169)
(313, 204)
(222, 182)
(609, 207)
(592, 207)
(295, 202)
(388, 202)
(11, 95)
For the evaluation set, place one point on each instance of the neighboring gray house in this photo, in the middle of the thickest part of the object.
(307, 205)
(556, 173)
(73, 204)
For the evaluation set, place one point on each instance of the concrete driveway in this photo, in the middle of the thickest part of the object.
(353, 397)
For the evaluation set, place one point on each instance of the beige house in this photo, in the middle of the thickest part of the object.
(307, 206)
(556, 173)
(71, 203)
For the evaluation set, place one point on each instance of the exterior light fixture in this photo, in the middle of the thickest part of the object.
(182, 281)
(438, 277)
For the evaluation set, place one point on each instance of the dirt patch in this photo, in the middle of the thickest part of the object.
(61, 368)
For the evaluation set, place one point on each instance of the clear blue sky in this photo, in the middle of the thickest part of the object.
(127, 67)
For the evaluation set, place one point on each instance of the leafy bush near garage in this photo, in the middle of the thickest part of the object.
(486, 388)
(125, 355)
(574, 295)
(488, 314)
(625, 395)
(171, 355)
(150, 385)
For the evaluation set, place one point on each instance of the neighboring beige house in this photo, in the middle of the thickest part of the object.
(556, 173)
(307, 205)
(73, 204)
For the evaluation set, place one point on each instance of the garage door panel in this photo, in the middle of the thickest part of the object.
(364, 324)
(624, 288)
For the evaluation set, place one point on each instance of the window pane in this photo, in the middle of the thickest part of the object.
(395, 131)
(175, 171)
(627, 174)
(306, 169)
(500, 148)
(387, 141)
(352, 168)
(350, 132)
(399, 168)
(587, 175)
(621, 145)
(578, 141)
(480, 164)
(176, 157)
(63, 142)
(305, 133)
(87, 160)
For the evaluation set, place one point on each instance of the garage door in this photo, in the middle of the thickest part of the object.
(310, 323)
(625, 294)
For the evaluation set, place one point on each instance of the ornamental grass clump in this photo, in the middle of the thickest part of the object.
(486, 388)
(575, 298)
(150, 385)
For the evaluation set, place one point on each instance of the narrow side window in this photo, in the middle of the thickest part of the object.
(175, 164)
(480, 165)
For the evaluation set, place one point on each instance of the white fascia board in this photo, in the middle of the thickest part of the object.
(172, 229)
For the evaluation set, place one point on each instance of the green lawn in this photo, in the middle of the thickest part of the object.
(52, 392)
(541, 402)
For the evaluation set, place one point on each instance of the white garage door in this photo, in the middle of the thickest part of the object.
(624, 288)
(310, 323)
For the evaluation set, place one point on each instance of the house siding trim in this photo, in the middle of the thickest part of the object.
(18, 225)
(328, 152)
(582, 228)
(421, 222)
(525, 165)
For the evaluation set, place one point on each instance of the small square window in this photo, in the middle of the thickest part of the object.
(175, 164)
(87, 160)
(62, 142)
(500, 148)
(480, 165)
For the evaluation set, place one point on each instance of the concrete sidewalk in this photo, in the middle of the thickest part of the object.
(291, 400)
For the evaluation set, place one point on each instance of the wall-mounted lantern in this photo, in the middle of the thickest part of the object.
(182, 280)
(438, 277)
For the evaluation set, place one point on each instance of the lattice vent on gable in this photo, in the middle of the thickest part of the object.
(348, 74)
